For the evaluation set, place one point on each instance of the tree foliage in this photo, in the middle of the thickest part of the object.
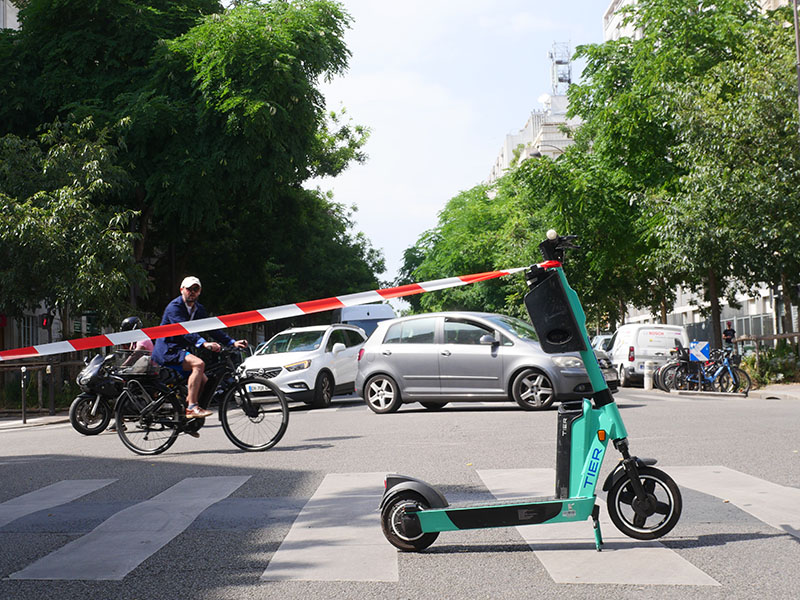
(63, 243)
(219, 122)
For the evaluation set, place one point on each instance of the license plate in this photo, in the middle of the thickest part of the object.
(610, 376)
(256, 387)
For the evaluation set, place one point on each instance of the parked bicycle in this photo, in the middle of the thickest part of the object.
(151, 410)
(720, 374)
(665, 374)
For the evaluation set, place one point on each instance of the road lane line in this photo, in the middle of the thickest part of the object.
(567, 550)
(337, 536)
(775, 505)
(122, 542)
(56, 494)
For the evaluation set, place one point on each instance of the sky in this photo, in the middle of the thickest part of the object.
(440, 83)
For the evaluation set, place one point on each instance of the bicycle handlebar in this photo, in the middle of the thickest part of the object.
(555, 245)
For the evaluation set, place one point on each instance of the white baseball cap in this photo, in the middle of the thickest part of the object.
(190, 281)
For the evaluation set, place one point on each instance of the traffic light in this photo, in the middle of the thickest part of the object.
(45, 320)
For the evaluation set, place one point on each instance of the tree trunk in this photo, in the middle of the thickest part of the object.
(138, 245)
(787, 310)
(787, 304)
(663, 310)
(713, 298)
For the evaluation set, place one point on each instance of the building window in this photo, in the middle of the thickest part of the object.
(28, 331)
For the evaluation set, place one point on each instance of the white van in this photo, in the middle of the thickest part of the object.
(633, 345)
(366, 316)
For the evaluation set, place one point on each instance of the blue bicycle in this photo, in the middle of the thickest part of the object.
(720, 374)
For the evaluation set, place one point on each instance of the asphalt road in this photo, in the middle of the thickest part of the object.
(84, 518)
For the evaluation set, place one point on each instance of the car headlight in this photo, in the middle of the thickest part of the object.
(568, 362)
(298, 366)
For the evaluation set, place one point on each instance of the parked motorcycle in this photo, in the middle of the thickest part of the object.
(91, 412)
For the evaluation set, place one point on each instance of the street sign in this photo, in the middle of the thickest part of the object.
(699, 351)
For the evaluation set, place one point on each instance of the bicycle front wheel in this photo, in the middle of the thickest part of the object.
(254, 414)
(146, 430)
(738, 383)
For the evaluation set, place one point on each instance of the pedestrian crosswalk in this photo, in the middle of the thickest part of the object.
(336, 535)
(124, 541)
(561, 546)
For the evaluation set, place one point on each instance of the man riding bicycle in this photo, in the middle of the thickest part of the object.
(175, 352)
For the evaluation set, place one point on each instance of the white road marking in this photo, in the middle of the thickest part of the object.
(775, 505)
(567, 550)
(337, 536)
(122, 542)
(48, 497)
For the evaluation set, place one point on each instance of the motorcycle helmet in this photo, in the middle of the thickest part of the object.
(131, 323)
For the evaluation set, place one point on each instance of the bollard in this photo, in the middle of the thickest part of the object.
(649, 369)
(51, 390)
(22, 384)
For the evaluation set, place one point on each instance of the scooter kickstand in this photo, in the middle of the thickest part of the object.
(598, 536)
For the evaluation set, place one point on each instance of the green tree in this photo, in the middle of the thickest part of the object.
(648, 112)
(62, 244)
(219, 121)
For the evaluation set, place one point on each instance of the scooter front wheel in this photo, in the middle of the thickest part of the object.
(82, 419)
(401, 526)
(652, 517)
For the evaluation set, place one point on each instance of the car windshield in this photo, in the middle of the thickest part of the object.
(297, 341)
(517, 327)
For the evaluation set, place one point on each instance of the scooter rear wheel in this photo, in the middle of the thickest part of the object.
(397, 520)
(651, 518)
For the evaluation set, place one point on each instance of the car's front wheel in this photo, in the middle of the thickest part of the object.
(323, 390)
(533, 390)
(382, 394)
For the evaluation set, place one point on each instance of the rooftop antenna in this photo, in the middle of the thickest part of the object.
(561, 73)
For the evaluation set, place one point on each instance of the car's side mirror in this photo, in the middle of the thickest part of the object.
(487, 340)
(338, 347)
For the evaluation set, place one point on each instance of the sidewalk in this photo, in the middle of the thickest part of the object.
(14, 421)
(780, 391)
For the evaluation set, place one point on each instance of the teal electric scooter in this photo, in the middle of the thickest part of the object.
(643, 502)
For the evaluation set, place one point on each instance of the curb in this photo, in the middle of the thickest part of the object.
(774, 395)
(711, 394)
(13, 423)
(752, 394)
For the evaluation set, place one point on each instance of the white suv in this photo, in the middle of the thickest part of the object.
(310, 363)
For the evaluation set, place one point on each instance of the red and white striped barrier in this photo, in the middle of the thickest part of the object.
(248, 317)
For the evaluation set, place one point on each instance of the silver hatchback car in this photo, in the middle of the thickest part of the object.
(460, 356)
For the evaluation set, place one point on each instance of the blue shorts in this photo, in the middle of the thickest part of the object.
(177, 364)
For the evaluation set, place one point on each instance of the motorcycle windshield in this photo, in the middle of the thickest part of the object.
(89, 372)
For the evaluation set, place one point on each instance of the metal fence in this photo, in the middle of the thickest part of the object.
(745, 326)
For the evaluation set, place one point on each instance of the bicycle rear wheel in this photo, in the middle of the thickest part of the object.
(151, 431)
(254, 414)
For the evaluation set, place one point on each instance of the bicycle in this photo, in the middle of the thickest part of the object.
(720, 374)
(151, 410)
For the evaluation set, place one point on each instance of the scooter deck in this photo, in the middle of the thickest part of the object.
(505, 513)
